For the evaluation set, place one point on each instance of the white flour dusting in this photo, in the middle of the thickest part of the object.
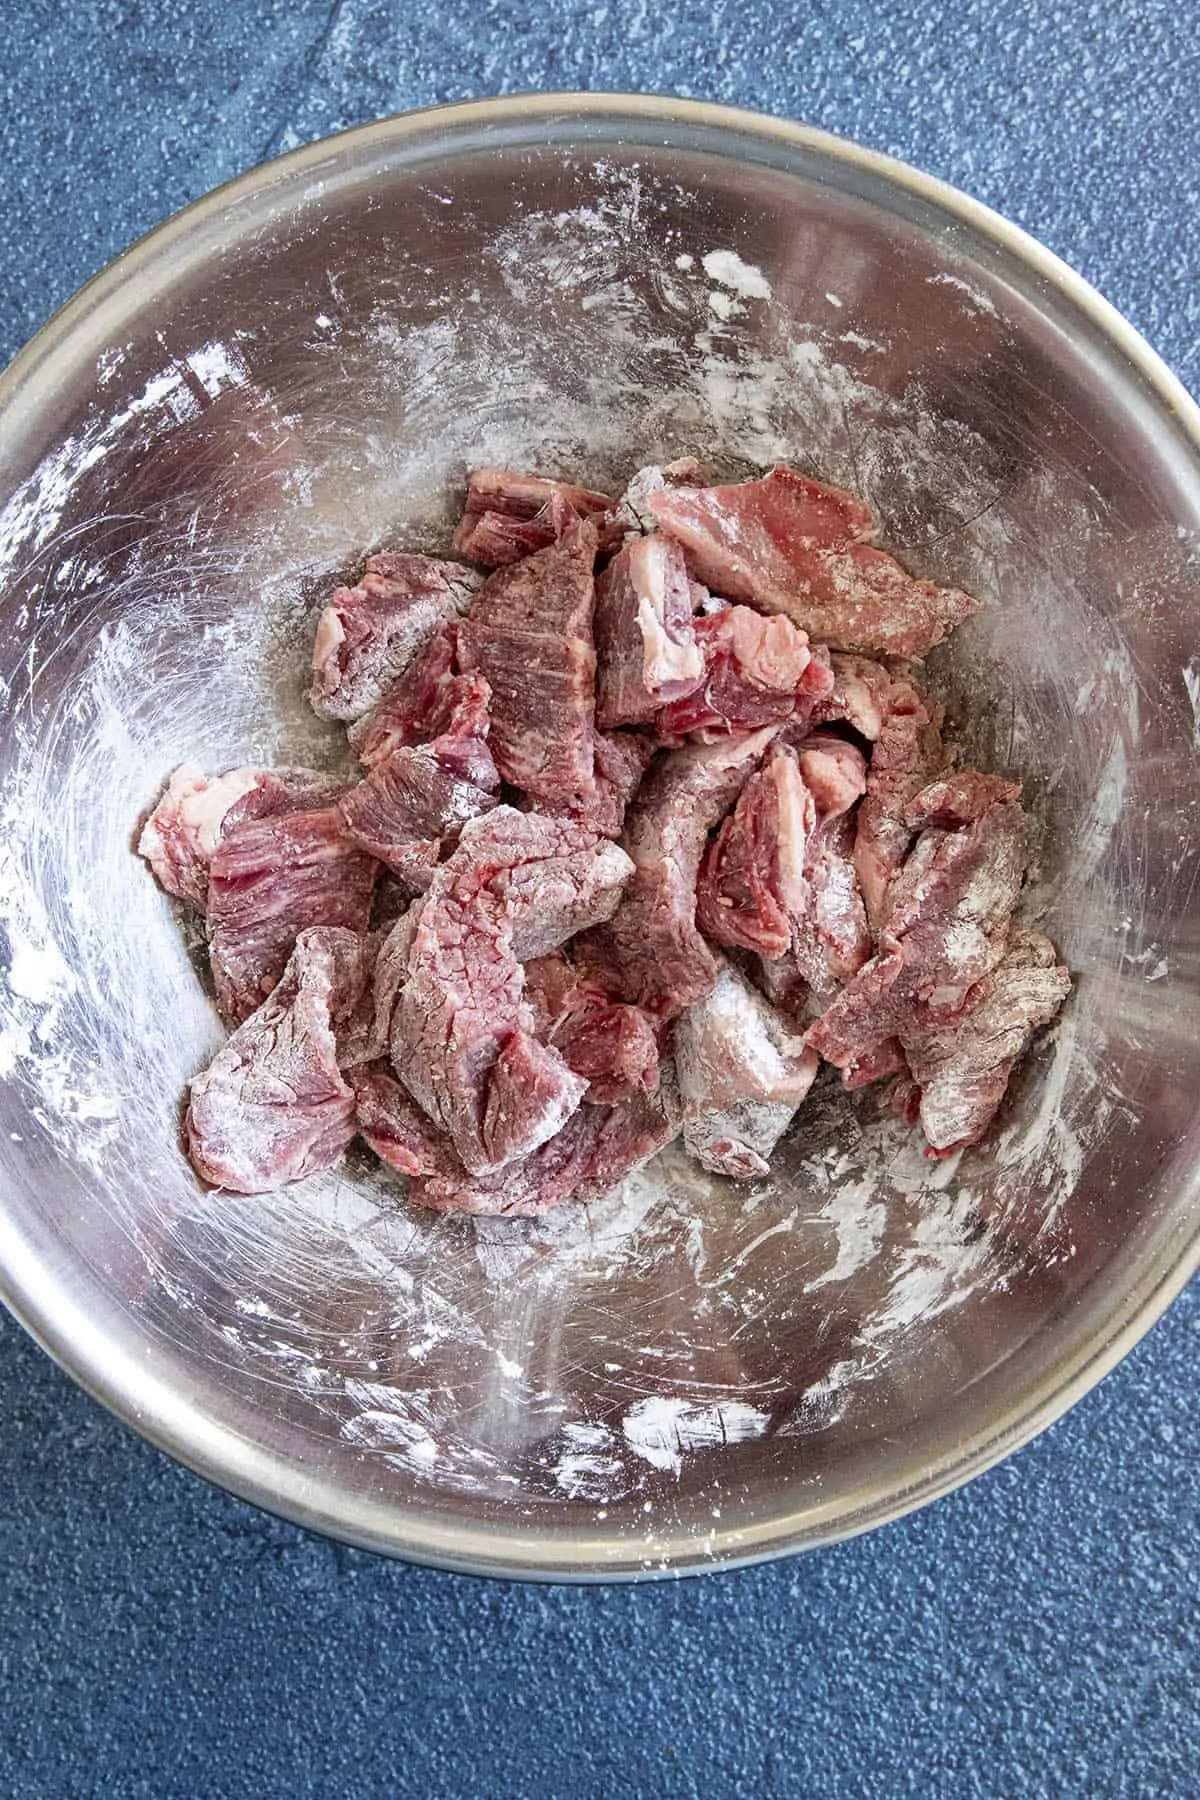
(598, 1349)
(745, 279)
(663, 1429)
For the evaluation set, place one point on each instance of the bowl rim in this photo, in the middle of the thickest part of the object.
(143, 1400)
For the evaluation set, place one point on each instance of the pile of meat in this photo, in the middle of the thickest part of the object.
(653, 817)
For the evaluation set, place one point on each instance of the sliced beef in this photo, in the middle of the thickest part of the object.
(396, 1129)
(597, 1148)
(751, 882)
(273, 1105)
(573, 882)
(417, 705)
(369, 634)
(950, 912)
(962, 1071)
(181, 836)
(907, 755)
(613, 1046)
(646, 650)
(789, 545)
(270, 880)
(742, 1075)
(530, 635)
(509, 516)
(655, 950)
(621, 759)
(831, 939)
(757, 671)
(417, 798)
(371, 1040)
(462, 1032)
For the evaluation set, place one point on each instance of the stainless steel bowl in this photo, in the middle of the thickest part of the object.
(302, 365)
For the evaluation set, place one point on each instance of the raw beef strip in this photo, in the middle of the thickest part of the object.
(830, 937)
(621, 759)
(632, 512)
(963, 1070)
(564, 880)
(886, 1059)
(646, 650)
(180, 838)
(652, 942)
(756, 672)
(462, 1033)
(395, 1127)
(859, 695)
(752, 878)
(742, 1074)
(371, 1041)
(907, 755)
(417, 705)
(369, 634)
(596, 1149)
(273, 1106)
(270, 880)
(613, 1046)
(530, 635)
(951, 905)
(509, 515)
(418, 796)
(950, 912)
(789, 545)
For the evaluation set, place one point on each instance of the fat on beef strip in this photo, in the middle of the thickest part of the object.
(646, 647)
(613, 1046)
(858, 697)
(793, 546)
(462, 1036)
(182, 834)
(657, 954)
(834, 771)
(369, 634)
(757, 671)
(906, 757)
(742, 1075)
(596, 1149)
(530, 634)
(509, 516)
(962, 1071)
(270, 880)
(416, 798)
(621, 758)
(632, 512)
(273, 1105)
(950, 913)
(751, 882)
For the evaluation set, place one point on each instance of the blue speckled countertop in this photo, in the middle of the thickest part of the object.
(1035, 1634)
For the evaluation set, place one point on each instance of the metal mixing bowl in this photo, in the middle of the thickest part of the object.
(302, 366)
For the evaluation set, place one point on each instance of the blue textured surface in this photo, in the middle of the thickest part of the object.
(1033, 1635)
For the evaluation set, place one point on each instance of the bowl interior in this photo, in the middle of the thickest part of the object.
(303, 368)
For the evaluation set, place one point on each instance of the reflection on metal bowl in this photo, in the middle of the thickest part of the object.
(303, 366)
